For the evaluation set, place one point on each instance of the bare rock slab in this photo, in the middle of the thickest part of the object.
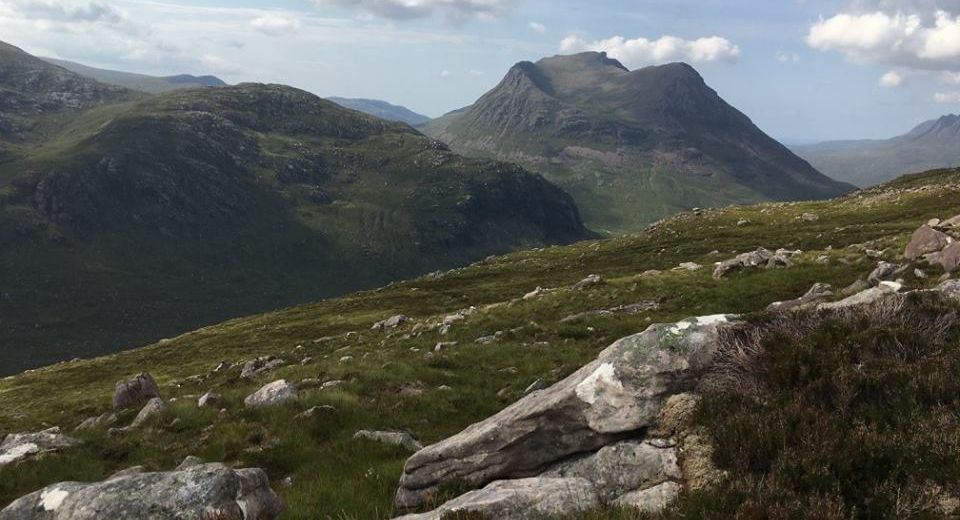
(17, 447)
(200, 492)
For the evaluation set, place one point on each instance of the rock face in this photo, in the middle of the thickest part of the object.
(19, 446)
(275, 393)
(135, 391)
(615, 397)
(207, 491)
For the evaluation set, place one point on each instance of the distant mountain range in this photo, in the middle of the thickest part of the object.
(126, 217)
(141, 82)
(382, 109)
(630, 146)
(932, 144)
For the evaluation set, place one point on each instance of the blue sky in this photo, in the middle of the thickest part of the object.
(803, 70)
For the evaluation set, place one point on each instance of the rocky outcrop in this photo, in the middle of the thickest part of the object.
(204, 491)
(614, 399)
(819, 293)
(390, 323)
(926, 240)
(402, 439)
(135, 391)
(937, 244)
(21, 446)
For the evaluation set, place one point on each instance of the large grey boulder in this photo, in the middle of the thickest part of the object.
(273, 394)
(885, 272)
(153, 408)
(390, 323)
(524, 499)
(617, 395)
(135, 391)
(754, 259)
(198, 492)
(924, 241)
(20, 446)
(868, 297)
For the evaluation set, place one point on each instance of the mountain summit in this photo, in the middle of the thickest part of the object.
(931, 144)
(630, 146)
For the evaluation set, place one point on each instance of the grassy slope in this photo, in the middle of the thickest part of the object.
(337, 477)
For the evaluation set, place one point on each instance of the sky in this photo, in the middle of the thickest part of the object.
(803, 70)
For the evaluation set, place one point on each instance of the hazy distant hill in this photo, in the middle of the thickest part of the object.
(141, 82)
(630, 146)
(382, 109)
(126, 217)
(932, 144)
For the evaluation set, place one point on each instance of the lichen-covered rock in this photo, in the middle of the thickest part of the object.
(135, 391)
(523, 499)
(197, 492)
(588, 282)
(153, 408)
(272, 394)
(885, 272)
(949, 258)
(817, 294)
(106, 419)
(869, 296)
(390, 323)
(620, 393)
(754, 259)
(650, 500)
(20, 446)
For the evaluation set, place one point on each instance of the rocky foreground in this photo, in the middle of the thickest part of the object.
(618, 432)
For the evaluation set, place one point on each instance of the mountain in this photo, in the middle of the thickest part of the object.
(127, 217)
(932, 144)
(848, 395)
(629, 146)
(382, 109)
(140, 82)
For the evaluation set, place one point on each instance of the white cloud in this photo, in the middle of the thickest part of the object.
(947, 97)
(642, 52)
(537, 27)
(69, 15)
(908, 40)
(275, 25)
(406, 9)
(475, 72)
(891, 79)
(445, 74)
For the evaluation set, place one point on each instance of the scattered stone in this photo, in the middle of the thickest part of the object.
(635, 308)
(486, 340)
(316, 411)
(588, 282)
(536, 293)
(920, 275)
(346, 359)
(261, 365)
(445, 345)
(754, 259)
(872, 295)
(306, 361)
(950, 222)
(950, 257)
(210, 399)
(743, 222)
(153, 408)
(390, 323)
(135, 470)
(651, 273)
(402, 439)
(20, 446)
(223, 367)
(107, 419)
(856, 287)
(884, 272)
(202, 491)
(332, 384)
(688, 266)
(651, 500)
(808, 217)
(189, 462)
(273, 394)
(135, 391)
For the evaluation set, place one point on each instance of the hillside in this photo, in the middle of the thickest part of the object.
(139, 82)
(932, 144)
(125, 222)
(474, 343)
(382, 109)
(629, 146)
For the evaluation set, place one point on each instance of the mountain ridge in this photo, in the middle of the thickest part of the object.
(139, 82)
(382, 109)
(630, 146)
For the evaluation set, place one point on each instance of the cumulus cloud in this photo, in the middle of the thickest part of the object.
(947, 97)
(275, 25)
(406, 9)
(950, 78)
(90, 11)
(538, 27)
(901, 39)
(641, 52)
(891, 79)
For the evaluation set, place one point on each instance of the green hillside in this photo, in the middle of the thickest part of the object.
(399, 380)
